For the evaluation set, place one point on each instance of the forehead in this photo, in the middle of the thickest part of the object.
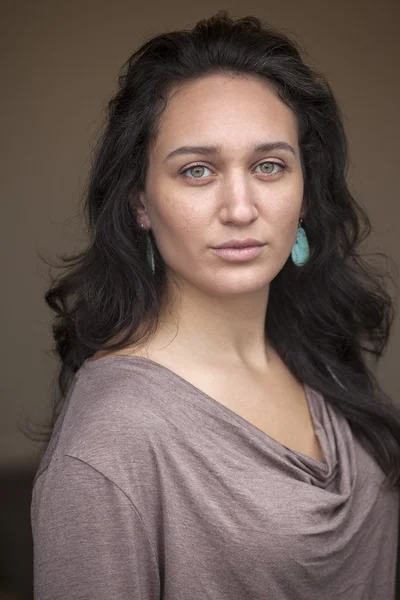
(230, 111)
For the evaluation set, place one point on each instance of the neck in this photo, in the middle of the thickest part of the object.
(225, 330)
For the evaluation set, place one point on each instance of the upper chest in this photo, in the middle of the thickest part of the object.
(277, 406)
(275, 402)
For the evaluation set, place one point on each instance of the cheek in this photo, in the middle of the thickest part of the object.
(173, 225)
(284, 236)
(178, 215)
(284, 222)
(289, 202)
(284, 212)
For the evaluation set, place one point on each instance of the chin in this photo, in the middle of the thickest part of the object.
(230, 286)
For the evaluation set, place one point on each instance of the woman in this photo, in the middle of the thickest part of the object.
(220, 435)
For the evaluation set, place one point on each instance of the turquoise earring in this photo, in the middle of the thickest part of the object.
(149, 252)
(150, 255)
(301, 249)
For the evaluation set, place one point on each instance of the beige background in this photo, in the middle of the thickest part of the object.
(60, 61)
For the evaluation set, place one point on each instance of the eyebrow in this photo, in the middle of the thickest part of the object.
(215, 150)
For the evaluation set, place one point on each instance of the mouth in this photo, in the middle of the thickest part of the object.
(238, 254)
(243, 243)
(239, 247)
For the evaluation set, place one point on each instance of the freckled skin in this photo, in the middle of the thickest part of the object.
(231, 197)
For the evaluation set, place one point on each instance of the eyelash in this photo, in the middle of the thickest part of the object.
(283, 167)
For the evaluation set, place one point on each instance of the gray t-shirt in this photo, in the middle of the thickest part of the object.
(151, 489)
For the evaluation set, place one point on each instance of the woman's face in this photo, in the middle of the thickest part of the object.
(197, 199)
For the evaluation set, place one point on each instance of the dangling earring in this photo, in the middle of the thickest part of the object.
(301, 249)
(149, 252)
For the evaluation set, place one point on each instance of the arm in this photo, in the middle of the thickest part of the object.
(89, 540)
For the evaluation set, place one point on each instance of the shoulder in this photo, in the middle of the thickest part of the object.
(113, 415)
(114, 394)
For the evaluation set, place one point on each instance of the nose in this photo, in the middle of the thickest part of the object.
(238, 200)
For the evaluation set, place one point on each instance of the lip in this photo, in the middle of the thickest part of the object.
(238, 254)
(237, 243)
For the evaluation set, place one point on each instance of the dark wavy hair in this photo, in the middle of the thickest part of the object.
(324, 319)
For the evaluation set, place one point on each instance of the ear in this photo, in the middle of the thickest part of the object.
(140, 205)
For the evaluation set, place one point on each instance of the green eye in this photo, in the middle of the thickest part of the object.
(270, 166)
(197, 170)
